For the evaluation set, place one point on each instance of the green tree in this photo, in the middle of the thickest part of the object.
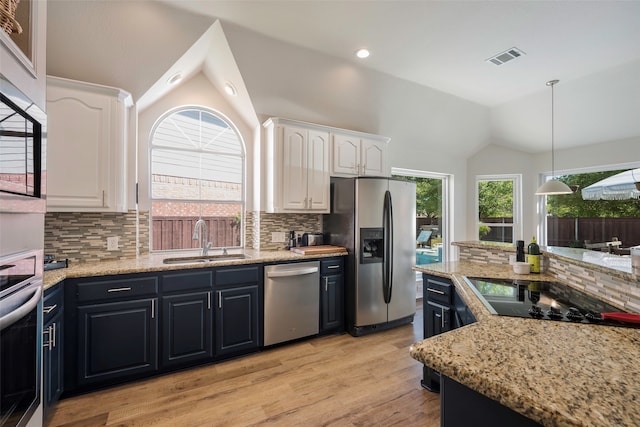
(495, 199)
(428, 196)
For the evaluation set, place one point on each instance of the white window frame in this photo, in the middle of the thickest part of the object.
(517, 225)
(243, 157)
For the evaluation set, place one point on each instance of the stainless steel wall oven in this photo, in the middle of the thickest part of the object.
(20, 337)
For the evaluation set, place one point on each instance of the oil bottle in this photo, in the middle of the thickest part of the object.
(534, 255)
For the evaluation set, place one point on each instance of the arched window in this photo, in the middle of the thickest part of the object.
(197, 171)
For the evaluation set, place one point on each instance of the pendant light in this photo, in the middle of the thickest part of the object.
(553, 186)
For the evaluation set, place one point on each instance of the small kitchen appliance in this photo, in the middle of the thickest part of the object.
(312, 239)
(543, 300)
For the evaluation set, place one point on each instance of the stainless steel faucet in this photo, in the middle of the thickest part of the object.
(201, 233)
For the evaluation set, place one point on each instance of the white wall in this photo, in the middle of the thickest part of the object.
(196, 91)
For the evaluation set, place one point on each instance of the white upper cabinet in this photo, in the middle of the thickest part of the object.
(358, 155)
(297, 168)
(86, 155)
(302, 157)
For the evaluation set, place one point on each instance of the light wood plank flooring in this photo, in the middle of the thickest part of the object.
(336, 380)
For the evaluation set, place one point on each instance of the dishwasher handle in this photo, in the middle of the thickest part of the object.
(292, 272)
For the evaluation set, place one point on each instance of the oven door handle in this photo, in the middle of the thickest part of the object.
(23, 308)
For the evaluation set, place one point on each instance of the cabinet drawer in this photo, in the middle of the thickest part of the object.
(186, 281)
(437, 289)
(117, 288)
(53, 302)
(236, 275)
(331, 267)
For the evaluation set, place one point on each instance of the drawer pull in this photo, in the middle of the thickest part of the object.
(48, 309)
(118, 289)
(333, 266)
(435, 291)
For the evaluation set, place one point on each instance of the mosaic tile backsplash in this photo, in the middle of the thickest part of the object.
(82, 236)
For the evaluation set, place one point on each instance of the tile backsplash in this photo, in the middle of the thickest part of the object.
(82, 236)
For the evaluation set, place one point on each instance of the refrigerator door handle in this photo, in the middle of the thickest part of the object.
(387, 265)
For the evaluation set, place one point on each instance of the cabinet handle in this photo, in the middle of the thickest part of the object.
(442, 317)
(364, 169)
(358, 168)
(220, 299)
(435, 291)
(333, 266)
(103, 204)
(48, 309)
(310, 202)
(52, 336)
(153, 309)
(118, 289)
(326, 284)
(209, 300)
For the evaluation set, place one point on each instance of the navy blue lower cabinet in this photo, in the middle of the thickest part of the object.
(53, 347)
(186, 313)
(237, 321)
(117, 340)
(332, 295)
(187, 328)
(462, 407)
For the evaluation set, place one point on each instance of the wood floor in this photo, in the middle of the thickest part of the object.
(336, 380)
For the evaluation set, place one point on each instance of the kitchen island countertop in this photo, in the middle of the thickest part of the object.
(154, 262)
(556, 373)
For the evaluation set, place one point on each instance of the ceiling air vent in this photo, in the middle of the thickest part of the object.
(506, 56)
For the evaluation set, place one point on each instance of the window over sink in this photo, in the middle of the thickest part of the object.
(197, 171)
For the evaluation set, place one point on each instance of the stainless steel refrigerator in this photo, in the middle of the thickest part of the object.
(375, 219)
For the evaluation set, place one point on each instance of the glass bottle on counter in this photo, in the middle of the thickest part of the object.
(534, 255)
(520, 250)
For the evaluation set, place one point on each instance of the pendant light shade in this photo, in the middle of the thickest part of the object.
(553, 186)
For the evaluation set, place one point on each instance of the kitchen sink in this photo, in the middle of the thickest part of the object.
(203, 259)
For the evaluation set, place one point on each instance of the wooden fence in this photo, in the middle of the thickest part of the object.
(575, 231)
(177, 232)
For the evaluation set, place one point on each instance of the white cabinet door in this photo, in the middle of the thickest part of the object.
(346, 155)
(294, 169)
(318, 177)
(355, 156)
(86, 146)
(373, 158)
(297, 177)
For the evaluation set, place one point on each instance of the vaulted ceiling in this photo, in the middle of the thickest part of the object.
(442, 46)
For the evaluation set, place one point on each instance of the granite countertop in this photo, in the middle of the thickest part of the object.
(558, 374)
(154, 262)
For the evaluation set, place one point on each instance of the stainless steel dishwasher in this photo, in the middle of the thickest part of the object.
(291, 301)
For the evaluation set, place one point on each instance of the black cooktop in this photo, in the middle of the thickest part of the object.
(541, 300)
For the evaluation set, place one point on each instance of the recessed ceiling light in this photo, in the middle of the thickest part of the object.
(175, 78)
(362, 53)
(230, 89)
